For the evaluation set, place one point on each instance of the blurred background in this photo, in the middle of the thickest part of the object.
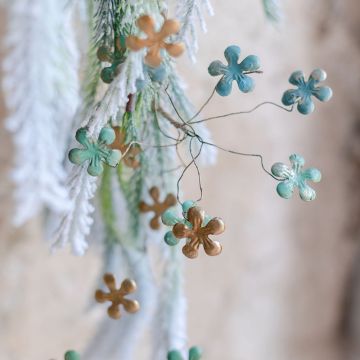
(287, 286)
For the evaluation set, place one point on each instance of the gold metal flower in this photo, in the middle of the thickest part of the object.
(155, 41)
(117, 296)
(197, 234)
(130, 157)
(158, 207)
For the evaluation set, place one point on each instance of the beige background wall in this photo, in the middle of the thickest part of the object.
(285, 286)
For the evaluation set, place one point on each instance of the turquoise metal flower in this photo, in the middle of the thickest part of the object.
(195, 353)
(234, 71)
(295, 177)
(302, 96)
(151, 74)
(170, 218)
(95, 151)
(72, 355)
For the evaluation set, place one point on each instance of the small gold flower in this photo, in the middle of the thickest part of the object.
(158, 207)
(155, 41)
(117, 296)
(130, 157)
(198, 234)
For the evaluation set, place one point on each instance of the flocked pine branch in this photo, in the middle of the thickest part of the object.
(190, 14)
(170, 318)
(40, 86)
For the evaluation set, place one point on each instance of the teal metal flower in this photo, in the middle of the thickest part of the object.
(295, 177)
(72, 355)
(302, 96)
(195, 353)
(234, 71)
(170, 218)
(95, 151)
(151, 74)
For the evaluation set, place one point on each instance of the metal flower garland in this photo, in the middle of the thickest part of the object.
(153, 103)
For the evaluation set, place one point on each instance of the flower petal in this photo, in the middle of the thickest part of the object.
(297, 78)
(169, 27)
(169, 218)
(232, 54)
(312, 174)
(318, 75)
(95, 168)
(323, 93)
(297, 160)
(195, 353)
(107, 135)
(250, 63)
(171, 239)
(306, 105)
(157, 74)
(82, 136)
(245, 83)
(174, 355)
(195, 216)
(285, 189)
(135, 44)
(290, 97)
(186, 206)
(147, 24)
(217, 68)
(281, 170)
(224, 86)
(175, 50)
(306, 192)
(215, 226)
(79, 156)
(113, 158)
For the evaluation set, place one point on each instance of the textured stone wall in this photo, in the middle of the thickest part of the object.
(286, 285)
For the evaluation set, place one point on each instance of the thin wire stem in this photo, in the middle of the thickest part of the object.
(243, 154)
(184, 171)
(243, 112)
(203, 106)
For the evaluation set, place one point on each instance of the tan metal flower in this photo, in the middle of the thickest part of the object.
(130, 157)
(158, 207)
(197, 234)
(117, 296)
(155, 41)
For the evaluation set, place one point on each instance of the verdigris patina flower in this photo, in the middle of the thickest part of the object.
(72, 355)
(195, 353)
(95, 151)
(295, 177)
(234, 71)
(151, 74)
(302, 96)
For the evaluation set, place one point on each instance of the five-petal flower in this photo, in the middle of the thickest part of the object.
(95, 151)
(195, 353)
(195, 227)
(295, 177)
(155, 41)
(118, 296)
(302, 96)
(234, 71)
